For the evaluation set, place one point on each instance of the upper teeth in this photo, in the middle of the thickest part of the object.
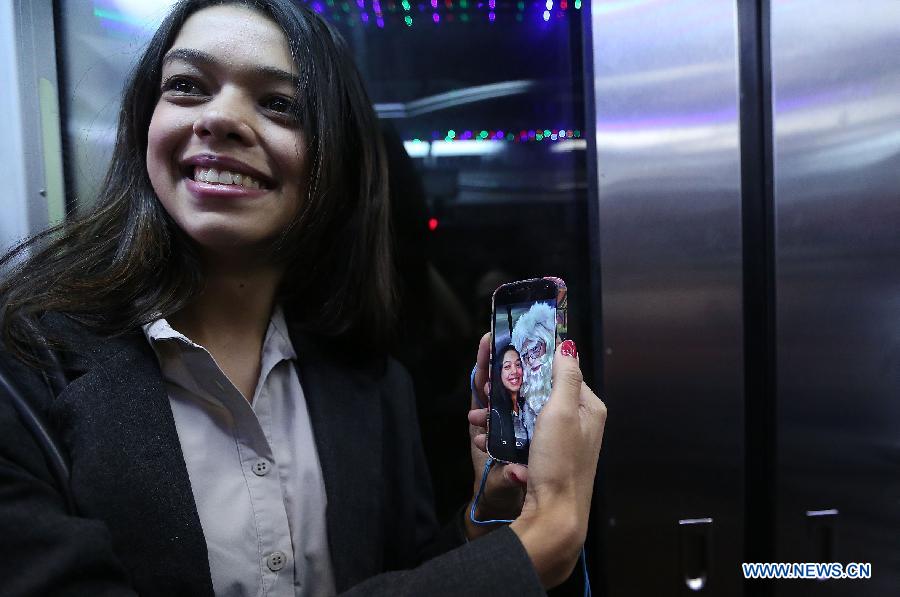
(214, 176)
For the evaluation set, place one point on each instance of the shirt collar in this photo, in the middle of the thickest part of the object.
(277, 342)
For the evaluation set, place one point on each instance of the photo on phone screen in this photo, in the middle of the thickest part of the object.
(525, 334)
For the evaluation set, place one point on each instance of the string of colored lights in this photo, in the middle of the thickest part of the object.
(438, 11)
(115, 15)
(521, 136)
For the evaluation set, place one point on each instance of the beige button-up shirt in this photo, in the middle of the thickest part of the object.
(253, 467)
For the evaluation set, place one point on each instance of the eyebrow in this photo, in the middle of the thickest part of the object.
(192, 56)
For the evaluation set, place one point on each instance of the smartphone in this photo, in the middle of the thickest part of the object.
(528, 320)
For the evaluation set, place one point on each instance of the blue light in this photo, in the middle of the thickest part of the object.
(546, 15)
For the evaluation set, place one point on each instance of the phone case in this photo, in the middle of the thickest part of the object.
(526, 338)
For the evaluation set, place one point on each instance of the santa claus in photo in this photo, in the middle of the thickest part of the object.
(534, 336)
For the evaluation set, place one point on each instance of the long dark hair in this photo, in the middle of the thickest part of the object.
(126, 262)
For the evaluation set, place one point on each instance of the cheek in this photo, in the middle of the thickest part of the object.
(159, 141)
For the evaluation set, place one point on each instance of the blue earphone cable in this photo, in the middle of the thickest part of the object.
(484, 476)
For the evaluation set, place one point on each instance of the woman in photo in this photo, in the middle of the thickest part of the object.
(206, 345)
(511, 377)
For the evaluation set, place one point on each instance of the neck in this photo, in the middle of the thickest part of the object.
(235, 303)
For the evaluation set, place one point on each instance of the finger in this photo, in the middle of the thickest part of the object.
(567, 378)
(482, 363)
(516, 473)
(478, 417)
(480, 441)
(595, 405)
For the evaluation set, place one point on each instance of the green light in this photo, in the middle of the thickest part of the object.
(520, 5)
(405, 5)
(345, 7)
(510, 137)
(417, 140)
(330, 2)
(577, 133)
(577, 4)
(464, 17)
(464, 3)
(118, 17)
(408, 20)
(538, 137)
(547, 133)
(448, 139)
(483, 134)
(451, 133)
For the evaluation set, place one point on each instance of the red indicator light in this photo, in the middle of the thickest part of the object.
(432, 223)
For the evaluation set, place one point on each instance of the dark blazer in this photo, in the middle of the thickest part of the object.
(137, 529)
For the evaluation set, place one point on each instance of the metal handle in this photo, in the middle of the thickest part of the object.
(695, 549)
(823, 533)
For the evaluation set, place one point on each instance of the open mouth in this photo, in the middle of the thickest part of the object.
(224, 177)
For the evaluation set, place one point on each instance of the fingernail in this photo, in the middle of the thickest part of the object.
(568, 348)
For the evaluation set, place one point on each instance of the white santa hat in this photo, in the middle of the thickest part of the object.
(538, 322)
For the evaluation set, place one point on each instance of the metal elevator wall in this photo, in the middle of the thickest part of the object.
(669, 227)
(836, 140)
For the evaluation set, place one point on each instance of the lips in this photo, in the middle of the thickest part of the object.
(207, 162)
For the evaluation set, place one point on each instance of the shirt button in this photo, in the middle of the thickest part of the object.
(261, 467)
(276, 561)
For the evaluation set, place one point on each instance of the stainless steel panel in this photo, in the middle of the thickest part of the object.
(668, 167)
(836, 112)
(30, 159)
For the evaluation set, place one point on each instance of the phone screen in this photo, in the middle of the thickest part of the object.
(526, 328)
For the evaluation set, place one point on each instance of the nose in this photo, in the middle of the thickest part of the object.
(225, 119)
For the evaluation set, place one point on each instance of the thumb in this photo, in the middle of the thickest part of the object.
(567, 377)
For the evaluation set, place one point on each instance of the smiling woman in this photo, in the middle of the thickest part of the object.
(223, 398)
(230, 92)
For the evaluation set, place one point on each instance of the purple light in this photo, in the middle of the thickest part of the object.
(364, 17)
(433, 3)
(492, 16)
(361, 3)
(492, 4)
(318, 7)
(380, 22)
(436, 17)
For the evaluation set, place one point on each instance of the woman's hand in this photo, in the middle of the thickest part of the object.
(504, 491)
(562, 463)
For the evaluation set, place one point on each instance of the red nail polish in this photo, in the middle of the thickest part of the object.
(568, 348)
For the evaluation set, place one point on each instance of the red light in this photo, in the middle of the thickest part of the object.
(432, 223)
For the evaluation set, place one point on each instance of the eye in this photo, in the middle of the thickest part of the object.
(280, 104)
(182, 86)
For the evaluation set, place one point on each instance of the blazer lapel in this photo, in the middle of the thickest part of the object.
(345, 411)
(127, 466)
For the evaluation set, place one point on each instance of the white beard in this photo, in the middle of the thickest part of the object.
(536, 390)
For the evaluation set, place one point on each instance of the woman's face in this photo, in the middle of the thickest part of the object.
(225, 155)
(511, 371)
